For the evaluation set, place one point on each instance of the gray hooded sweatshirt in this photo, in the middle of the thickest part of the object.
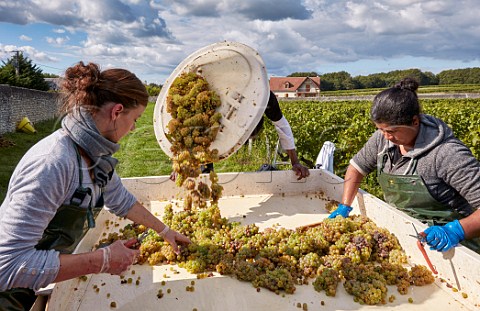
(447, 167)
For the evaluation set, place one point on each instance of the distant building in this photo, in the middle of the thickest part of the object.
(295, 87)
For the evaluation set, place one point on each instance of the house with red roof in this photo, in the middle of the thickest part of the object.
(295, 87)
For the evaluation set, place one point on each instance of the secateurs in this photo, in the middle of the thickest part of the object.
(132, 243)
(421, 246)
(135, 243)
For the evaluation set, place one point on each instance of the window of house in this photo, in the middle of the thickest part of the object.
(307, 88)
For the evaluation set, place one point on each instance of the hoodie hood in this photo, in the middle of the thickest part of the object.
(432, 133)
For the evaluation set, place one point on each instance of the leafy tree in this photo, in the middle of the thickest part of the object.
(460, 76)
(19, 71)
(431, 78)
(381, 80)
(304, 74)
(394, 77)
(153, 89)
(369, 82)
(341, 80)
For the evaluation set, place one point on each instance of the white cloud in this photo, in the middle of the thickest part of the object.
(57, 40)
(25, 38)
(6, 51)
(381, 19)
(195, 8)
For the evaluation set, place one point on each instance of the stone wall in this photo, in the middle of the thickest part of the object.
(17, 103)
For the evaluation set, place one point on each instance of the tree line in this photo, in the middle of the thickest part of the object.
(20, 71)
(342, 80)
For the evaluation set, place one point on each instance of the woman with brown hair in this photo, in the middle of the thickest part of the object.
(64, 180)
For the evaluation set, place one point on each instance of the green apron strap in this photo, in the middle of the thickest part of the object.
(381, 164)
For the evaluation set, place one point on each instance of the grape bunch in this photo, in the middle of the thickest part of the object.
(327, 279)
(365, 284)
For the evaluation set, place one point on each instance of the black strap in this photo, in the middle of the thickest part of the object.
(81, 192)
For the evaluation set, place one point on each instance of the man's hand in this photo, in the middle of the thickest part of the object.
(300, 170)
(443, 238)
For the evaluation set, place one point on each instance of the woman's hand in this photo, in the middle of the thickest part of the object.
(117, 258)
(173, 238)
(443, 238)
(342, 210)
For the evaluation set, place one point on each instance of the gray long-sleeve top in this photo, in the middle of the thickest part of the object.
(44, 179)
(447, 167)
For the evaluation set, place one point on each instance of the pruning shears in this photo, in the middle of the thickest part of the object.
(132, 243)
(421, 240)
(135, 243)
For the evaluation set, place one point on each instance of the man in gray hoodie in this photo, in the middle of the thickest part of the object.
(423, 169)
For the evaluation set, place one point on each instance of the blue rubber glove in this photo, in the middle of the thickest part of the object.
(442, 238)
(342, 210)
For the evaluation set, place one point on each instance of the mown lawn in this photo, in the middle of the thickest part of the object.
(13, 147)
(141, 155)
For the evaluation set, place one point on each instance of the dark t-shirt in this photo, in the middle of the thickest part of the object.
(272, 112)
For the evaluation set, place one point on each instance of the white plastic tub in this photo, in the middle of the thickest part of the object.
(267, 199)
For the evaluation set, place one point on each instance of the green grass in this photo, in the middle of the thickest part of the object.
(450, 88)
(141, 155)
(11, 155)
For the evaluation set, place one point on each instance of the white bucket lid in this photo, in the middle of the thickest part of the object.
(237, 73)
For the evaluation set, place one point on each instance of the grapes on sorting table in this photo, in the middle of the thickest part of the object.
(280, 259)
